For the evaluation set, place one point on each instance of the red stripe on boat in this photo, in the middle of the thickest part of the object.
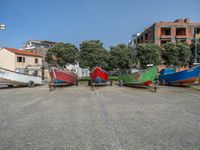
(147, 83)
(187, 81)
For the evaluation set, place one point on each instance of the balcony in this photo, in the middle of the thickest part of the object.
(165, 36)
(181, 36)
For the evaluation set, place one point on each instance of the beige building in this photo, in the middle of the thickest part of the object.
(17, 60)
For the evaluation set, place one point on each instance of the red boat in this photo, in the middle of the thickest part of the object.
(98, 75)
(59, 76)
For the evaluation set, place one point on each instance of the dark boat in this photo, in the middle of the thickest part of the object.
(185, 77)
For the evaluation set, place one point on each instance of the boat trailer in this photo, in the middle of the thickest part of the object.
(93, 85)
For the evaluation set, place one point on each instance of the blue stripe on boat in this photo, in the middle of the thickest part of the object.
(98, 80)
(56, 81)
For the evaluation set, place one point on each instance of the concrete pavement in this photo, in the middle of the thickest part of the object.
(109, 118)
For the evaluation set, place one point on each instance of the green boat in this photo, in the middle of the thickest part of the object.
(140, 78)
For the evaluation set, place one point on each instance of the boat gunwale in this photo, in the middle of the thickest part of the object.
(143, 70)
(178, 71)
(71, 73)
(19, 72)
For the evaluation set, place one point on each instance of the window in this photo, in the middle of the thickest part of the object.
(180, 31)
(165, 31)
(141, 39)
(197, 30)
(20, 59)
(36, 60)
(146, 36)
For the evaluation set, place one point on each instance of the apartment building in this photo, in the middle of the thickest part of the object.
(181, 30)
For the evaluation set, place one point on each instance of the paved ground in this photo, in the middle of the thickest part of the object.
(110, 118)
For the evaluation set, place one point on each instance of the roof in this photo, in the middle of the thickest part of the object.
(22, 52)
(42, 41)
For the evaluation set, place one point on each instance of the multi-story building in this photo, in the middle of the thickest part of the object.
(162, 32)
(37, 46)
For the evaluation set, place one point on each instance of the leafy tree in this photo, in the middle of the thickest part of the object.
(61, 54)
(171, 54)
(92, 54)
(178, 54)
(120, 57)
(184, 53)
(148, 53)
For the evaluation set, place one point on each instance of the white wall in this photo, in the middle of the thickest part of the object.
(7, 60)
(78, 70)
(29, 60)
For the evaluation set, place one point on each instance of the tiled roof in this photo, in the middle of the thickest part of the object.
(23, 52)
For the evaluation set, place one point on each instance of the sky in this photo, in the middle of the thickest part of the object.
(74, 21)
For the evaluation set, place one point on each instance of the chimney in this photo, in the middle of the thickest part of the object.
(179, 20)
(187, 20)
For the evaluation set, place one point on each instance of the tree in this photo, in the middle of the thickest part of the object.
(120, 57)
(92, 54)
(178, 54)
(148, 53)
(61, 54)
(184, 53)
(170, 54)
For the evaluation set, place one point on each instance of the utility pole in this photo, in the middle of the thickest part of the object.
(195, 55)
(2, 27)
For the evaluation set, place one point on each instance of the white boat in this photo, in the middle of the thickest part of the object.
(11, 78)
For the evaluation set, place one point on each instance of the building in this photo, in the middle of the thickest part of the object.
(18, 60)
(133, 43)
(181, 30)
(38, 46)
(81, 72)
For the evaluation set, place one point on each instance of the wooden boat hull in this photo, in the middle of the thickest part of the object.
(15, 78)
(140, 78)
(98, 75)
(185, 77)
(59, 76)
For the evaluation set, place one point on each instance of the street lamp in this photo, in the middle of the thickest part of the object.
(195, 55)
(2, 26)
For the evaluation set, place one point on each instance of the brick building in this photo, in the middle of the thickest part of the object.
(162, 32)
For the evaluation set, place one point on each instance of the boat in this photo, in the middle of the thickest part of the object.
(99, 76)
(139, 78)
(12, 78)
(61, 76)
(185, 77)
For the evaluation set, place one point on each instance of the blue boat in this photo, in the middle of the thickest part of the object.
(185, 77)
